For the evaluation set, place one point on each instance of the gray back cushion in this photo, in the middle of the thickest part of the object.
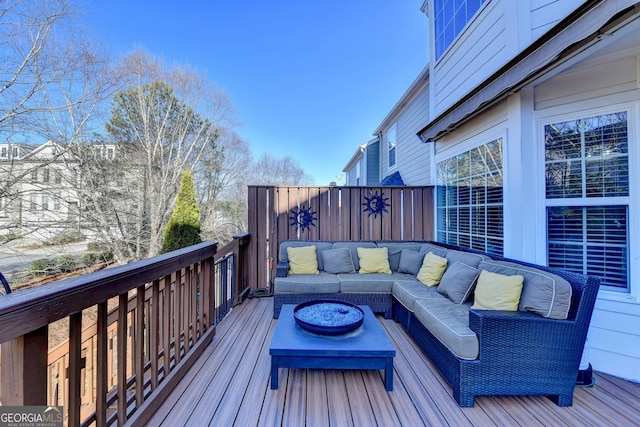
(544, 293)
(410, 262)
(437, 250)
(395, 249)
(320, 247)
(458, 281)
(338, 261)
(468, 258)
(353, 247)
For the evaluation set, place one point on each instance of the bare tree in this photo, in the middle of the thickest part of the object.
(220, 184)
(268, 170)
(53, 80)
(166, 120)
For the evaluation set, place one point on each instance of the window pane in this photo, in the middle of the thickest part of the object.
(607, 224)
(469, 199)
(607, 177)
(590, 240)
(564, 224)
(451, 16)
(563, 141)
(564, 179)
(566, 256)
(587, 157)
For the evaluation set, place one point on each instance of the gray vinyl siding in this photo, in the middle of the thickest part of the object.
(500, 31)
(589, 83)
(413, 156)
(373, 164)
(478, 52)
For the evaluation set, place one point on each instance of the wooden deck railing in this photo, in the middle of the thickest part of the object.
(153, 317)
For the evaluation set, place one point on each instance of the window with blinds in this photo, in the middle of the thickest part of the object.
(587, 161)
(470, 199)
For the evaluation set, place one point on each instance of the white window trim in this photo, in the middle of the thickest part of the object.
(560, 114)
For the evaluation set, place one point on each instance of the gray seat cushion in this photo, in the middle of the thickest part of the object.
(449, 322)
(374, 282)
(543, 293)
(323, 283)
(407, 292)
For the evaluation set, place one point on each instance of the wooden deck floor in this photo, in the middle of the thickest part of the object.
(229, 385)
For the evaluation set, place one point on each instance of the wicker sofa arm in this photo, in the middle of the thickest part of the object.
(522, 336)
(282, 269)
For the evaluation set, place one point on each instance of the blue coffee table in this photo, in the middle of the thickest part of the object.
(368, 347)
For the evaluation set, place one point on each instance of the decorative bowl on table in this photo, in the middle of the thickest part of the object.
(327, 317)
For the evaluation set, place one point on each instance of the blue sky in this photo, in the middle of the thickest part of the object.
(311, 79)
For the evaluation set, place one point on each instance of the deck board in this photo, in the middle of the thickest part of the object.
(230, 385)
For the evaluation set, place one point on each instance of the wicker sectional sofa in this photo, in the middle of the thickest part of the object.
(535, 350)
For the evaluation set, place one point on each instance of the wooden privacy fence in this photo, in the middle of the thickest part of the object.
(332, 213)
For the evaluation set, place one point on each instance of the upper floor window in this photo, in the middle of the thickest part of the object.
(45, 175)
(392, 142)
(34, 175)
(14, 151)
(4, 152)
(451, 16)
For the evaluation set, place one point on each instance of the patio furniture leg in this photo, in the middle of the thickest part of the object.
(388, 371)
(274, 373)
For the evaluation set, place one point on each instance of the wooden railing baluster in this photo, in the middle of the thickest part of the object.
(75, 367)
(139, 347)
(154, 332)
(122, 357)
(101, 365)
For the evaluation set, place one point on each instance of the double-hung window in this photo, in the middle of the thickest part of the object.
(469, 201)
(587, 193)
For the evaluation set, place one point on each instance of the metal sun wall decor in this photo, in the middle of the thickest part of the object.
(376, 204)
(303, 217)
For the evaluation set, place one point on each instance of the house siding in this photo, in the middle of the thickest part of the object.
(372, 164)
(546, 13)
(481, 47)
(414, 162)
(500, 31)
(609, 83)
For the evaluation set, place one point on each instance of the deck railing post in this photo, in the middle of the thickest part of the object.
(24, 369)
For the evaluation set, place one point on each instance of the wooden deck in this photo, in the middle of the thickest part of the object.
(229, 385)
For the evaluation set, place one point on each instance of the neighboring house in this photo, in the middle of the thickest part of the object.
(364, 167)
(397, 156)
(534, 113)
(39, 188)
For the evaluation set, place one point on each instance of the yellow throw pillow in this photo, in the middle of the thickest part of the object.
(373, 260)
(302, 260)
(497, 292)
(433, 267)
